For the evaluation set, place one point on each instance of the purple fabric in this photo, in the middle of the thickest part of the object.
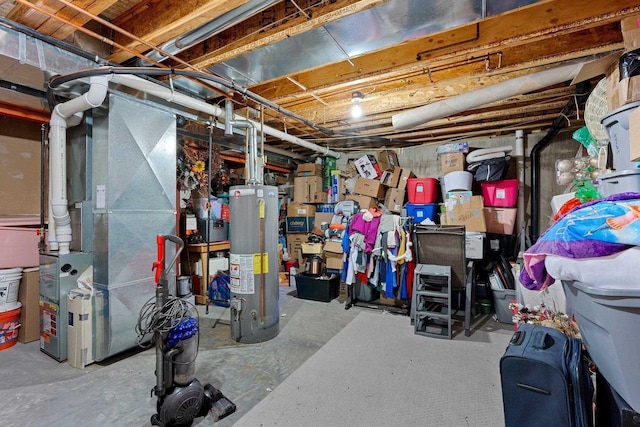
(369, 229)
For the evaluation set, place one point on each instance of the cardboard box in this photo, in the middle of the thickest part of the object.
(467, 212)
(306, 187)
(451, 162)
(474, 245)
(630, 27)
(333, 261)
(321, 217)
(365, 202)
(394, 302)
(397, 178)
(309, 169)
(388, 160)
(403, 176)
(500, 220)
(343, 290)
(621, 92)
(321, 197)
(299, 224)
(368, 167)
(369, 187)
(394, 200)
(311, 248)
(300, 209)
(294, 247)
(333, 246)
(29, 297)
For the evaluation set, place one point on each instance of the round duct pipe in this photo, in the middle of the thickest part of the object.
(476, 98)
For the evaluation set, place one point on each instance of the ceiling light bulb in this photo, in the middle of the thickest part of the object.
(356, 111)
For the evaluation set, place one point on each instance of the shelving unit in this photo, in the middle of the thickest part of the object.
(431, 301)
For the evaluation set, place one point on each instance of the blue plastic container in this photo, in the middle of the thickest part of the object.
(420, 212)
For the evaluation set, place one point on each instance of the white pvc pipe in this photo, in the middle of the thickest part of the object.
(476, 98)
(519, 155)
(187, 101)
(63, 116)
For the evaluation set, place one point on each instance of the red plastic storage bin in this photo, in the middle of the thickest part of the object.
(500, 193)
(422, 190)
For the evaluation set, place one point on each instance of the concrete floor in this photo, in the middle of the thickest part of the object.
(36, 390)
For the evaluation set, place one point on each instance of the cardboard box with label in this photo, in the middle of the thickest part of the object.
(368, 167)
(300, 217)
(306, 187)
(468, 212)
(369, 187)
(309, 169)
(364, 202)
(451, 162)
(394, 200)
(388, 160)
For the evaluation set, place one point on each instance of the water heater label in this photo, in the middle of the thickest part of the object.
(244, 192)
(241, 273)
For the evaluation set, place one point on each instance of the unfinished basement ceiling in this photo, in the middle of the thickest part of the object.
(307, 57)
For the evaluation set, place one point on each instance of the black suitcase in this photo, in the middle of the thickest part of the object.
(545, 380)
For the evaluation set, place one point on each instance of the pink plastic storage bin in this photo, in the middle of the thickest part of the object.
(422, 190)
(500, 193)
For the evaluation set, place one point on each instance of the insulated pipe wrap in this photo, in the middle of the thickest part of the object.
(476, 98)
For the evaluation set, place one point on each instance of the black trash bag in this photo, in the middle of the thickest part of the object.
(490, 169)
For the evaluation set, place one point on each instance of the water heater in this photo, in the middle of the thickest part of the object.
(253, 263)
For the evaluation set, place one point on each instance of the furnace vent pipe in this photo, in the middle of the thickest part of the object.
(63, 116)
(255, 170)
(476, 98)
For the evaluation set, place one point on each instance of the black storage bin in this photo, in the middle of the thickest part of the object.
(317, 288)
(501, 244)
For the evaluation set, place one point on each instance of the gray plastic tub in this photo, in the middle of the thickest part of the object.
(619, 182)
(609, 321)
(501, 300)
(616, 124)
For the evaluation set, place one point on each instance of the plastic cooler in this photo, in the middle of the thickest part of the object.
(422, 190)
(609, 319)
(420, 212)
(502, 193)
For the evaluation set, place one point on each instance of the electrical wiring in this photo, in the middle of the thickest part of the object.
(161, 319)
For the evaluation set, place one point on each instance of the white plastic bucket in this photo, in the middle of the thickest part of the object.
(9, 288)
(458, 180)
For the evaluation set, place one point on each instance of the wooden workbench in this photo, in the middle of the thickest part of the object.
(203, 250)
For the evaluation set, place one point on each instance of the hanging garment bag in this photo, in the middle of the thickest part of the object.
(545, 379)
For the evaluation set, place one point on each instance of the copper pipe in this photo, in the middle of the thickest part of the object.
(21, 113)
